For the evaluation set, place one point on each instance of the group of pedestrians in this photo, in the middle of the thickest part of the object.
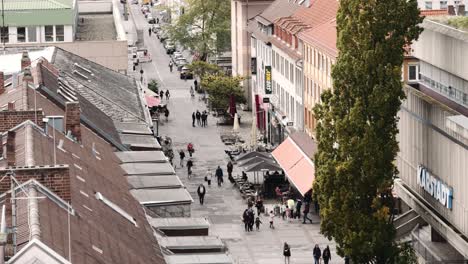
(318, 254)
(167, 93)
(200, 117)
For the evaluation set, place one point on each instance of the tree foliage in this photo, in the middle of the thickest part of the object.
(204, 27)
(220, 88)
(357, 127)
(153, 85)
(202, 68)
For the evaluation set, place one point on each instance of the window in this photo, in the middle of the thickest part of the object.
(291, 68)
(32, 34)
(59, 33)
(443, 4)
(428, 5)
(5, 37)
(413, 73)
(21, 34)
(49, 33)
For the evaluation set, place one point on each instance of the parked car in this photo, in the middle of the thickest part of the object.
(135, 2)
(123, 1)
(170, 47)
(156, 28)
(181, 63)
(163, 36)
(145, 9)
(177, 56)
(186, 73)
(151, 19)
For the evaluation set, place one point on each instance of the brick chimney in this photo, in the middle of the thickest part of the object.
(451, 10)
(27, 76)
(25, 60)
(72, 119)
(2, 83)
(37, 72)
(10, 148)
(11, 106)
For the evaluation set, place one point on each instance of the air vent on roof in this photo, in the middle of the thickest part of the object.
(84, 69)
(81, 75)
(116, 208)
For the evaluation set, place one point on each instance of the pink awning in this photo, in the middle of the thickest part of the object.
(298, 167)
(152, 101)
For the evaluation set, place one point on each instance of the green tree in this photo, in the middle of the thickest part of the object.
(220, 88)
(153, 85)
(202, 68)
(357, 127)
(204, 27)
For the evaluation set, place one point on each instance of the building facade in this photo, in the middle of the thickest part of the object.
(241, 12)
(433, 137)
(320, 54)
(39, 21)
(439, 4)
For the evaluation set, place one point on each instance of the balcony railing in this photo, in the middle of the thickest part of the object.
(454, 94)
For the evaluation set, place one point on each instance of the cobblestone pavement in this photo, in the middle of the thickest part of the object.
(223, 205)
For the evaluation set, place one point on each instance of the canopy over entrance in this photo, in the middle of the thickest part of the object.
(294, 156)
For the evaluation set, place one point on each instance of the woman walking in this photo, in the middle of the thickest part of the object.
(208, 177)
(286, 253)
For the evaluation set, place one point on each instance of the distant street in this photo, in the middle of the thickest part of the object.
(223, 206)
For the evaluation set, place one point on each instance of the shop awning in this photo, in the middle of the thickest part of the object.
(152, 101)
(296, 161)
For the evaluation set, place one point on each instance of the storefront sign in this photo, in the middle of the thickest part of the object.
(268, 88)
(435, 187)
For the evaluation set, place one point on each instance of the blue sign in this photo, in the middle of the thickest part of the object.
(435, 187)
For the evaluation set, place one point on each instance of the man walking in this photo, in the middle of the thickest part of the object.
(193, 119)
(198, 116)
(167, 95)
(166, 113)
(189, 168)
(203, 119)
(326, 255)
(149, 32)
(230, 167)
(170, 66)
(219, 175)
(298, 208)
(201, 193)
(182, 157)
(306, 212)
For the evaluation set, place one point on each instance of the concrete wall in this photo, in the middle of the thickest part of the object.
(425, 140)
(443, 50)
(93, 7)
(111, 54)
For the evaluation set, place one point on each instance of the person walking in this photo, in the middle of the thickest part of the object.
(298, 208)
(208, 177)
(326, 255)
(317, 254)
(272, 215)
(195, 83)
(166, 113)
(149, 32)
(286, 253)
(201, 193)
(193, 119)
(306, 212)
(182, 157)
(288, 213)
(190, 149)
(257, 223)
(161, 94)
(198, 116)
(245, 219)
(203, 119)
(230, 167)
(251, 219)
(167, 95)
(171, 65)
(189, 168)
(219, 175)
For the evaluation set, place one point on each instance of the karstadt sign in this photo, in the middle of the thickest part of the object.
(435, 187)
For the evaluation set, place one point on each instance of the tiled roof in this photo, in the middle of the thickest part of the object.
(99, 234)
(323, 36)
(319, 12)
(279, 8)
(18, 5)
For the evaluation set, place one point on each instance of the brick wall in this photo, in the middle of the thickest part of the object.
(2, 82)
(72, 119)
(10, 119)
(56, 179)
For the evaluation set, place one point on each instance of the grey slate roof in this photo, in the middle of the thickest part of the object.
(199, 259)
(148, 169)
(151, 197)
(141, 156)
(155, 182)
(279, 8)
(112, 92)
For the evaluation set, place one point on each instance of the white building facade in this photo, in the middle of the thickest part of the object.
(439, 4)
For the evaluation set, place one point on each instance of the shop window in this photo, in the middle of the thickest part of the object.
(443, 4)
(59, 33)
(49, 33)
(428, 5)
(21, 34)
(32, 34)
(5, 37)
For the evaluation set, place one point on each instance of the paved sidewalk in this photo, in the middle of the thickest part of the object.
(223, 205)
